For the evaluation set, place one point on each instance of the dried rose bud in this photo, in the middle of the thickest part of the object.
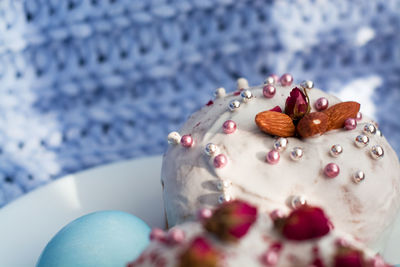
(297, 104)
(200, 253)
(232, 220)
(276, 109)
(349, 257)
(305, 223)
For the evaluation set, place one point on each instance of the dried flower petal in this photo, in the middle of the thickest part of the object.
(276, 109)
(305, 223)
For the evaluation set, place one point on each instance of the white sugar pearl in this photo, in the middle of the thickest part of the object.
(369, 129)
(362, 140)
(210, 149)
(234, 105)
(296, 153)
(242, 83)
(269, 80)
(377, 152)
(358, 177)
(297, 201)
(246, 95)
(221, 185)
(281, 144)
(224, 198)
(174, 138)
(336, 150)
(220, 92)
(307, 84)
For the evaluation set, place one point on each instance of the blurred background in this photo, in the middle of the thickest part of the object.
(89, 82)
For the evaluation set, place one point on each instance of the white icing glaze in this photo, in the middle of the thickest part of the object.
(249, 249)
(364, 210)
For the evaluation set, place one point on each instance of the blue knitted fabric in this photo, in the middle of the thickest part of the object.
(88, 82)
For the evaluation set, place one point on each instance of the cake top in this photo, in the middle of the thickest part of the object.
(235, 234)
(280, 146)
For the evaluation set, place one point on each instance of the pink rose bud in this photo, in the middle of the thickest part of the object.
(200, 253)
(306, 223)
(231, 220)
(297, 104)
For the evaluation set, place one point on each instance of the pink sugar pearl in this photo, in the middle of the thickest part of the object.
(275, 77)
(176, 236)
(229, 127)
(270, 258)
(220, 161)
(341, 242)
(204, 214)
(269, 91)
(273, 157)
(157, 234)
(321, 104)
(350, 124)
(286, 79)
(359, 116)
(331, 170)
(187, 140)
(276, 214)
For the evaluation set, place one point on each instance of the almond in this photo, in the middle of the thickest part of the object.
(275, 123)
(340, 112)
(313, 124)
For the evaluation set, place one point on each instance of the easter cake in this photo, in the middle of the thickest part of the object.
(280, 146)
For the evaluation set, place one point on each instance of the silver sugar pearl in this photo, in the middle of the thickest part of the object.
(210, 149)
(221, 185)
(224, 198)
(362, 140)
(296, 153)
(234, 104)
(297, 202)
(358, 177)
(220, 92)
(307, 84)
(281, 143)
(246, 95)
(336, 150)
(269, 80)
(377, 152)
(369, 129)
(379, 133)
(174, 138)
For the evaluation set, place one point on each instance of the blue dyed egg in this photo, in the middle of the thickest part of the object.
(105, 238)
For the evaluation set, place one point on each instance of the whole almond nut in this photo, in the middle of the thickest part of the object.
(315, 123)
(275, 123)
(340, 112)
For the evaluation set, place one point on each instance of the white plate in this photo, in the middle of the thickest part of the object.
(27, 224)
